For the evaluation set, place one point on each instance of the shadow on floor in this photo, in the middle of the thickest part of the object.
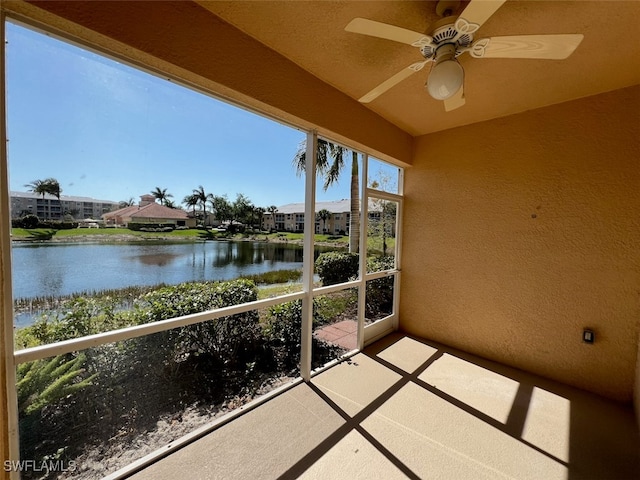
(409, 408)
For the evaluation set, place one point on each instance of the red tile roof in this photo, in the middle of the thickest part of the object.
(153, 210)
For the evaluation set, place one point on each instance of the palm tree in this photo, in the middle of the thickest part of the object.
(203, 198)
(324, 215)
(126, 203)
(257, 214)
(37, 186)
(329, 164)
(53, 187)
(161, 194)
(42, 187)
(191, 201)
(272, 209)
(55, 190)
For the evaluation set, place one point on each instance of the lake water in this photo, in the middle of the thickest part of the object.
(57, 269)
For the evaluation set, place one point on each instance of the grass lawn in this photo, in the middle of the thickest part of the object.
(23, 233)
(292, 237)
(191, 234)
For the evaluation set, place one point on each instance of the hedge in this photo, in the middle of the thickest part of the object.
(151, 227)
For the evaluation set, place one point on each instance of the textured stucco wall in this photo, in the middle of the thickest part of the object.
(519, 232)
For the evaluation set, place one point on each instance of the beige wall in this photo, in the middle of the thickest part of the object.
(519, 232)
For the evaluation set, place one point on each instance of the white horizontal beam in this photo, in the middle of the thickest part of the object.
(76, 344)
(392, 197)
(380, 274)
(336, 288)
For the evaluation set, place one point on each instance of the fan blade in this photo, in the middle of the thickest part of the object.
(479, 11)
(456, 101)
(397, 78)
(554, 47)
(389, 32)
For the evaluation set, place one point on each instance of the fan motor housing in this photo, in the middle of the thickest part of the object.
(444, 32)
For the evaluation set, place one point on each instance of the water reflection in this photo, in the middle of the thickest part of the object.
(158, 259)
(64, 269)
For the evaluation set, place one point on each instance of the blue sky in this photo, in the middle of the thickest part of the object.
(111, 132)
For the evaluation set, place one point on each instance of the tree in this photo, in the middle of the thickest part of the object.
(73, 213)
(241, 209)
(42, 187)
(383, 222)
(329, 164)
(161, 194)
(126, 203)
(203, 198)
(256, 216)
(222, 208)
(324, 215)
(53, 187)
(272, 209)
(191, 201)
(38, 187)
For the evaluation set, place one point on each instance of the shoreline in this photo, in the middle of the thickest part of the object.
(124, 238)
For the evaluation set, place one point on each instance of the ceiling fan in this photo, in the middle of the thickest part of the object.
(452, 36)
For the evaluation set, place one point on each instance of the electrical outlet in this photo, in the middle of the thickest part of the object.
(588, 336)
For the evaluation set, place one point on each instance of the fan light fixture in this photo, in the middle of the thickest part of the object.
(447, 75)
(452, 36)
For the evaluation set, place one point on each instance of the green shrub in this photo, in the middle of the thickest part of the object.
(284, 321)
(75, 318)
(337, 267)
(151, 227)
(283, 330)
(284, 324)
(275, 276)
(235, 228)
(44, 382)
(226, 338)
(28, 221)
(379, 298)
(57, 224)
(139, 379)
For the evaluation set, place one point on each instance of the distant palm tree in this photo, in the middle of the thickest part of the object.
(272, 209)
(127, 203)
(329, 164)
(37, 186)
(203, 198)
(324, 215)
(42, 187)
(191, 201)
(53, 187)
(256, 217)
(161, 194)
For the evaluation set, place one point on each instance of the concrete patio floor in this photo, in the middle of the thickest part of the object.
(409, 408)
(344, 334)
